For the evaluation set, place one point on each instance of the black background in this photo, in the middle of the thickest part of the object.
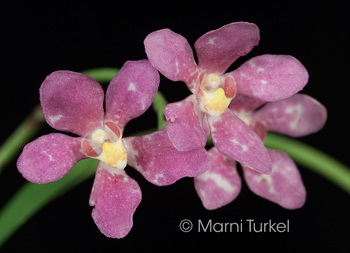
(38, 39)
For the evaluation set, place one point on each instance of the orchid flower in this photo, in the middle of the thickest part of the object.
(296, 116)
(73, 102)
(190, 121)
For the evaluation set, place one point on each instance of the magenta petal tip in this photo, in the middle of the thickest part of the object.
(283, 186)
(220, 184)
(270, 77)
(49, 158)
(115, 197)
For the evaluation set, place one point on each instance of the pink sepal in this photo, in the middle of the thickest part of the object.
(156, 158)
(296, 116)
(220, 184)
(234, 139)
(115, 196)
(131, 92)
(270, 77)
(245, 105)
(283, 186)
(218, 49)
(72, 102)
(49, 158)
(184, 128)
(171, 54)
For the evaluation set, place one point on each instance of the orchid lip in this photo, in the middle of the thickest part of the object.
(102, 146)
(217, 93)
(114, 154)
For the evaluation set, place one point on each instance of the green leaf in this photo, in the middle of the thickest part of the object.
(30, 198)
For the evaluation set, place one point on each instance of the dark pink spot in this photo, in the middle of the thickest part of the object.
(114, 128)
(230, 87)
(87, 149)
(260, 130)
(200, 79)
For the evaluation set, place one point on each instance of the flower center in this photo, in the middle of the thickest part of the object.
(217, 93)
(211, 82)
(113, 154)
(100, 136)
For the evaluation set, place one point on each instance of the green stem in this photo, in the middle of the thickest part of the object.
(312, 159)
(23, 133)
(159, 104)
(101, 75)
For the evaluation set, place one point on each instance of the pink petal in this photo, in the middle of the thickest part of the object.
(171, 54)
(49, 158)
(243, 104)
(220, 184)
(270, 77)
(283, 186)
(131, 92)
(156, 158)
(115, 196)
(234, 139)
(184, 128)
(296, 116)
(72, 102)
(218, 49)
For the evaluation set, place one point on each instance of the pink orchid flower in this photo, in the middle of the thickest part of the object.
(295, 116)
(73, 102)
(190, 121)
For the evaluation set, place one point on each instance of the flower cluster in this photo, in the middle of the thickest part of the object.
(225, 106)
(266, 77)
